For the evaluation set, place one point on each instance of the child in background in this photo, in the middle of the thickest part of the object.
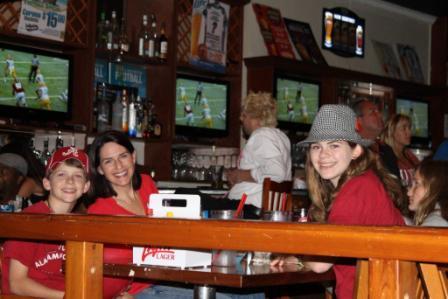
(35, 268)
(428, 195)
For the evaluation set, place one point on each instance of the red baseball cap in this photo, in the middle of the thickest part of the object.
(65, 153)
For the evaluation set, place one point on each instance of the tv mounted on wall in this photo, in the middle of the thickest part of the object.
(35, 84)
(202, 106)
(297, 102)
(418, 111)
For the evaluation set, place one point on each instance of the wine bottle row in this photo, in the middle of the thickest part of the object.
(152, 43)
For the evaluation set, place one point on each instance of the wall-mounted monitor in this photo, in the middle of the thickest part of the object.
(35, 84)
(343, 32)
(202, 106)
(297, 101)
(418, 111)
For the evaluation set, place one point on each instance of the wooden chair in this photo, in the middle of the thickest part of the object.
(433, 280)
(431, 283)
(273, 194)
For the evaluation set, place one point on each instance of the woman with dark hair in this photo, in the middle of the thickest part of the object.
(119, 190)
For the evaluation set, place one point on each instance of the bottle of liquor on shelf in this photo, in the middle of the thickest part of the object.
(59, 143)
(117, 112)
(132, 122)
(152, 38)
(114, 32)
(123, 40)
(125, 113)
(140, 116)
(163, 44)
(101, 33)
(46, 154)
(103, 117)
(143, 37)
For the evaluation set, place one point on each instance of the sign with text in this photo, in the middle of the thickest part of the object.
(44, 19)
(343, 32)
(209, 27)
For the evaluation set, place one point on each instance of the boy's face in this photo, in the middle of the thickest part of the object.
(66, 183)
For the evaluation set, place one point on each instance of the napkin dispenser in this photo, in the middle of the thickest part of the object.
(187, 206)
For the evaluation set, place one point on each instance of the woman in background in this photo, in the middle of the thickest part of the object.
(397, 134)
(428, 195)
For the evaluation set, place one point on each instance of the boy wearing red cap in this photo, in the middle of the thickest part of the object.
(35, 268)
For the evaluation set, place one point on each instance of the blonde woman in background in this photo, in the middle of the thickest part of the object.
(397, 134)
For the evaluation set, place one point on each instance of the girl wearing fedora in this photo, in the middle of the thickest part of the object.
(347, 184)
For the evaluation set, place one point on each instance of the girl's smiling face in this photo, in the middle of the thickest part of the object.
(332, 158)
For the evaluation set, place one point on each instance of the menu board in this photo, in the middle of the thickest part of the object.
(343, 32)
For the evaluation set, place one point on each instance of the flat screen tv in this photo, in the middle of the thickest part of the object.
(202, 106)
(297, 102)
(418, 111)
(35, 84)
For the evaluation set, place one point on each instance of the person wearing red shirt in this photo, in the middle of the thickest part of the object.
(347, 185)
(35, 268)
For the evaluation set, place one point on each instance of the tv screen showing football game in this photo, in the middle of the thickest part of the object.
(297, 100)
(418, 111)
(34, 80)
(201, 106)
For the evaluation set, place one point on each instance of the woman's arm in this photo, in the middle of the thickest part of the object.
(21, 284)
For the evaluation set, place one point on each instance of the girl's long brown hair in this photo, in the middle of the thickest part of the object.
(322, 192)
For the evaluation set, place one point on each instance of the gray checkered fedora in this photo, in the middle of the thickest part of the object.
(334, 122)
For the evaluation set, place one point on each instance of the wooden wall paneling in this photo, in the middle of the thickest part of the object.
(439, 51)
(158, 158)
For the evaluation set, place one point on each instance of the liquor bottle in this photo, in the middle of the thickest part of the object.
(152, 38)
(123, 40)
(46, 154)
(124, 107)
(140, 116)
(101, 34)
(163, 44)
(59, 143)
(132, 123)
(143, 37)
(109, 35)
(103, 118)
(115, 31)
(117, 112)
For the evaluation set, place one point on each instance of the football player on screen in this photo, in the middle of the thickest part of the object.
(207, 116)
(42, 96)
(19, 92)
(189, 115)
(10, 69)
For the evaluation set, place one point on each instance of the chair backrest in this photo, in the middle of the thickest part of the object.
(275, 193)
(434, 280)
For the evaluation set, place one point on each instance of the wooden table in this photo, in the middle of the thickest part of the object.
(206, 279)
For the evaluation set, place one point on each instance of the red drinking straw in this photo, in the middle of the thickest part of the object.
(283, 208)
(240, 206)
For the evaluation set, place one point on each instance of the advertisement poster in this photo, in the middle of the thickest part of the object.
(209, 28)
(410, 63)
(303, 39)
(274, 31)
(121, 74)
(387, 58)
(343, 32)
(44, 19)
